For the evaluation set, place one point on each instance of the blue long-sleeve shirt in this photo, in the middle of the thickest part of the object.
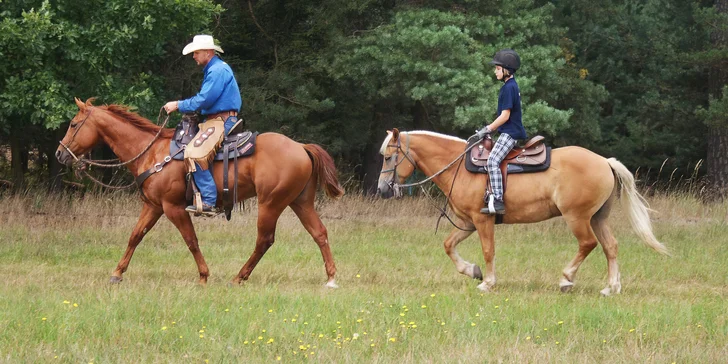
(219, 91)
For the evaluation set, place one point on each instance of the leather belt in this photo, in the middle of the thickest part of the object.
(223, 114)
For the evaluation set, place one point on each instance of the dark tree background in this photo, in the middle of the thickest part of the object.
(643, 81)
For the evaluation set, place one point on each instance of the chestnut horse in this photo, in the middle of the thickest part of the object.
(281, 173)
(579, 185)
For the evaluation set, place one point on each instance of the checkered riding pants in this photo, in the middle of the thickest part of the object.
(501, 148)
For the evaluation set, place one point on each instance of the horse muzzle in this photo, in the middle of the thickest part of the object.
(64, 157)
(388, 193)
(389, 190)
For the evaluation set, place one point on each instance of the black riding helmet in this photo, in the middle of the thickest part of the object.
(508, 59)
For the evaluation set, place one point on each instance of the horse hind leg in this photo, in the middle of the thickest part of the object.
(267, 220)
(582, 229)
(312, 222)
(610, 247)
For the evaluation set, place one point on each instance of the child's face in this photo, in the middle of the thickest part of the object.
(499, 72)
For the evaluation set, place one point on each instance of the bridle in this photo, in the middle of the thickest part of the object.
(393, 182)
(107, 163)
(77, 127)
(397, 188)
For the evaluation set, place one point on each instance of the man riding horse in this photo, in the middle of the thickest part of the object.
(219, 102)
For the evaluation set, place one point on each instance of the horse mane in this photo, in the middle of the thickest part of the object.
(137, 120)
(417, 132)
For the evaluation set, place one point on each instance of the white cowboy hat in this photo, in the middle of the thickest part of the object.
(201, 42)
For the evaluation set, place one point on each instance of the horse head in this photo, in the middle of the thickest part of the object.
(82, 134)
(398, 163)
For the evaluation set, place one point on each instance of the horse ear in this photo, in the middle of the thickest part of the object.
(395, 134)
(80, 104)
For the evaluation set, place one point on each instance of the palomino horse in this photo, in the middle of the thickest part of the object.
(580, 185)
(277, 183)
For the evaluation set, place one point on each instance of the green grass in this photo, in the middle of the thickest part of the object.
(401, 299)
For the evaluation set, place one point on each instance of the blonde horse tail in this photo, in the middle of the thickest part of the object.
(325, 170)
(637, 206)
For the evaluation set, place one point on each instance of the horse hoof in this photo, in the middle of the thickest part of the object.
(606, 292)
(484, 287)
(477, 273)
(115, 280)
(331, 284)
(567, 288)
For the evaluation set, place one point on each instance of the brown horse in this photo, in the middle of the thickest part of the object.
(278, 183)
(580, 185)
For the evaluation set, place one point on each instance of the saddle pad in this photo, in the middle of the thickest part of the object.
(245, 146)
(513, 168)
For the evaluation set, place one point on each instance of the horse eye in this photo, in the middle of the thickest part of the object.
(73, 125)
(387, 158)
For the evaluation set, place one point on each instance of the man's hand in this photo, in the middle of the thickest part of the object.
(171, 106)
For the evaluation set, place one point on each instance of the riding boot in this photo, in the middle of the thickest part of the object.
(205, 206)
(493, 206)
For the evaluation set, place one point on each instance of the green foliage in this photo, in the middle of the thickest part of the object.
(647, 56)
(52, 52)
(441, 59)
(716, 114)
(626, 78)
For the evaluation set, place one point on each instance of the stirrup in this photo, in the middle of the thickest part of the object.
(493, 206)
(202, 210)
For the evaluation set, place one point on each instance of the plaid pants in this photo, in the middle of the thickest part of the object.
(501, 148)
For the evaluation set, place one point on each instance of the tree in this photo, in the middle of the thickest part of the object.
(716, 114)
(51, 52)
(647, 56)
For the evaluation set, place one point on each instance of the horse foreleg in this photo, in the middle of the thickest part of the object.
(486, 227)
(148, 217)
(456, 236)
(267, 220)
(311, 221)
(587, 242)
(182, 221)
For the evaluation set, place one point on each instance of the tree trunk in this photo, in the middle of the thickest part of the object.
(55, 181)
(420, 119)
(716, 161)
(19, 162)
(371, 166)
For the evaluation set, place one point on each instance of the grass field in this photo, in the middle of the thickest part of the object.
(401, 299)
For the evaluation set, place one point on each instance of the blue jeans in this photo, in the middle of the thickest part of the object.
(203, 178)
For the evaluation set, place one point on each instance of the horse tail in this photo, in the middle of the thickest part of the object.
(325, 170)
(637, 206)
